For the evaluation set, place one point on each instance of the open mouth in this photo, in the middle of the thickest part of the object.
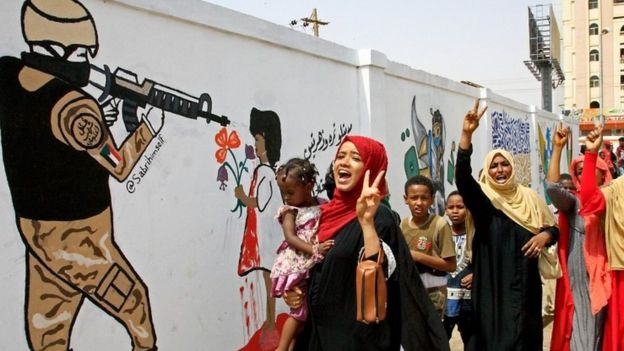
(500, 179)
(418, 210)
(343, 175)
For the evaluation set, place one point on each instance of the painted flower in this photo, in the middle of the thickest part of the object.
(249, 152)
(225, 142)
(222, 176)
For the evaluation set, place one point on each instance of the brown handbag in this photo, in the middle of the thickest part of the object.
(370, 290)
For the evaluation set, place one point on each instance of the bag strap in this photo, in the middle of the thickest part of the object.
(380, 254)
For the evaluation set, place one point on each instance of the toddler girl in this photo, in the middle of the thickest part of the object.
(299, 217)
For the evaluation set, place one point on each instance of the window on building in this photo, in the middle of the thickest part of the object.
(594, 104)
(594, 82)
(593, 28)
(621, 82)
(618, 1)
(593, 4)
(622, 30)
(594, 55)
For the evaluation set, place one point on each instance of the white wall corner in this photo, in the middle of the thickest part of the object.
(368, 57)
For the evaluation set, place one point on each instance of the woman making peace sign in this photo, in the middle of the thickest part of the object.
(512, 226)
(355, 221)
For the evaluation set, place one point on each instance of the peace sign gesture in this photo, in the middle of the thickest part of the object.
(471, 120)
(370, 197)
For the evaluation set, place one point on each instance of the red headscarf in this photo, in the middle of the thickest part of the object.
(600, 164)
(341, 209)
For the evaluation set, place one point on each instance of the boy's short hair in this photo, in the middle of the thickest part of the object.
(453, 193)
(419, 180)
(565, 176)
(621, 138)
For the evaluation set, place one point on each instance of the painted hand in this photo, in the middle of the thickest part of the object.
(154, 118)
(111, 111)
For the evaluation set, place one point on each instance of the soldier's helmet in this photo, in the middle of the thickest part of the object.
(61, 22)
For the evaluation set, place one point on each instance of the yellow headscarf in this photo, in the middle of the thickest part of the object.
(523, 205)
(614, 222)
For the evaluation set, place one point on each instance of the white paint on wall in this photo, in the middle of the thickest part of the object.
(176, 227)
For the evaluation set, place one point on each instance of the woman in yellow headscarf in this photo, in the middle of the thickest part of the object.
(512, 227)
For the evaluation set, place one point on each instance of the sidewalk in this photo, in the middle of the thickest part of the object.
(457, 345)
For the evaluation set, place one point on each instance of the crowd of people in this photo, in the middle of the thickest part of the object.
(479, 269)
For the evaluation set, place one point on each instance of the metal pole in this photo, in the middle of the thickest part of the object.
(603, 32)
(546, 72)
(601, 58)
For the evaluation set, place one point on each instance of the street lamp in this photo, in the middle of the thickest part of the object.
(601, 57)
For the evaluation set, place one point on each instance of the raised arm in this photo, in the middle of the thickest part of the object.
(592, 200)
(467, 186)
(471, 123)
(561, 198)
(560, 138)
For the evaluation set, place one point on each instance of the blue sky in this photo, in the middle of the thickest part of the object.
(482, 41)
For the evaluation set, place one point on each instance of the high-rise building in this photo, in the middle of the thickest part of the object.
(593, 62)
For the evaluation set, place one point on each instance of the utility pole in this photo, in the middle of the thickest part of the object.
(313, 19)
(601, 117)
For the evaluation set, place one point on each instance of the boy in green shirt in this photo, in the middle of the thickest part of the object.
(429, 237)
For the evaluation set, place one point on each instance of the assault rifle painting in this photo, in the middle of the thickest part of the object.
(59, 155)
(123, 84)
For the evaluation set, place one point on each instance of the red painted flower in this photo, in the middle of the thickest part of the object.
(226, 142)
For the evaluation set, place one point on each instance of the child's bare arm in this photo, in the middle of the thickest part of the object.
(448, 264)
(289, 228)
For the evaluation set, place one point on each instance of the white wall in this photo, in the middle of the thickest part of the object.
(176, 227)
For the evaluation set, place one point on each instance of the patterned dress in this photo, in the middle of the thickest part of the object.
(291, 267)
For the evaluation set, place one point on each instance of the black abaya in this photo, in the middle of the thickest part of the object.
(506, 288)
(411, 319)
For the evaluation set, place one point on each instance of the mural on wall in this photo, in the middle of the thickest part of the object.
(262, 234)
(450, 171)
(58, 156)
(545, 132)
(425, 157)
(513, 135)
(321, 142)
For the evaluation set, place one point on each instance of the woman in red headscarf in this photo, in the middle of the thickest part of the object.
(357, 223)
(607, 229)
(582, 291)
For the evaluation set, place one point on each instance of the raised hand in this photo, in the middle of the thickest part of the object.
(471, 120)
(561, 136)
(594, 139)
(370, 197)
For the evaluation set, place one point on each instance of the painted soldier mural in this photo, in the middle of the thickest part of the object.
(59, 155)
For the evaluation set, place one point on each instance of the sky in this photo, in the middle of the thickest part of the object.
(484, 41)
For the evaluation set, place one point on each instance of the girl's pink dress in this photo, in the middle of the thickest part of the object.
(291, 267)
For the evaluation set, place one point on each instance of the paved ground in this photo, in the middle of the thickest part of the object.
(457, 345)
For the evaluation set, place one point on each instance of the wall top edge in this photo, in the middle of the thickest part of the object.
(206, 14)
